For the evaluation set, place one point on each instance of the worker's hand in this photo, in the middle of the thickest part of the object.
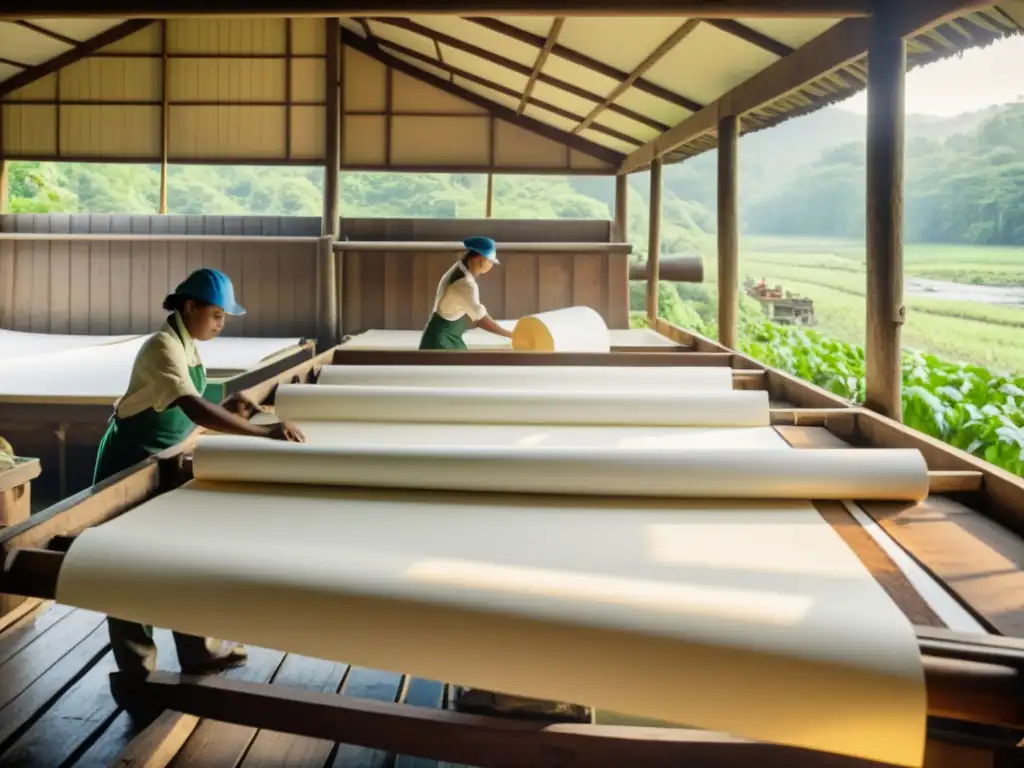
(285, 430)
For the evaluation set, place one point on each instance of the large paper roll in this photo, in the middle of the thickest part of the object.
(754, 619)
(575, 377)
(573, 329)
(359, 434)
(882, 474)
(320, 402)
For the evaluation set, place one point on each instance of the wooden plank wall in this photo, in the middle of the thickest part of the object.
(112, 287)
(395, 290)
(502, 230)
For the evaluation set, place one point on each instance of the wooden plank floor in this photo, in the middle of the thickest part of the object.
(56, 709)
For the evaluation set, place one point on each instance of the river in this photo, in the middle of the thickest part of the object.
(1003, 295)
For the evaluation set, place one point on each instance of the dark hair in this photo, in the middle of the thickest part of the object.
(175, 302)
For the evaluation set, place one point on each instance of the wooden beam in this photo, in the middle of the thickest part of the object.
(5, 183)
(587, 62)
(499, 111)
(839, 46)
(77, 53)
(678, 269)
(164, 121)
(327, 293)
(654, 242)
(489, 206)
(322, 8)
(332, 128)
(752, 36)
(454, 72)
(13, 63)
(885, 310)
(515, 66)
(728, 231)
(538, 64)
(633, 78)
(964, 690)
(621, 234)
(49, 33)
(344, 356)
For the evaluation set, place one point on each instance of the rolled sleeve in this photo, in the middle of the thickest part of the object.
(167, 370)
(471, 301)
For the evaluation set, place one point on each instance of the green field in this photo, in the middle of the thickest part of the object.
(831, 272)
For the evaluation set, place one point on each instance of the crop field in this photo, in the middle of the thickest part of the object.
(831, 272)
(963, 363)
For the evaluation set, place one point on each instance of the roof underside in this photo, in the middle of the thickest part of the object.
(570, 94)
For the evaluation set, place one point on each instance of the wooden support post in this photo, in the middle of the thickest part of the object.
(4, 182)
(885, 310)
(327, 294)
(728, 231)
(5, 168)
(654, 241)
(332, 128)
(621, 234)
(489, 209)
(163, 120)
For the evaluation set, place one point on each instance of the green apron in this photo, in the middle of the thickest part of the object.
(441, 333)
(129, 441)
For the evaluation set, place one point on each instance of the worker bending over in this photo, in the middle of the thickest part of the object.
(163, 403)
(457, 306)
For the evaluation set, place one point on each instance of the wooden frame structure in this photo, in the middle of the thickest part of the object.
(393, 90)
(974, 680)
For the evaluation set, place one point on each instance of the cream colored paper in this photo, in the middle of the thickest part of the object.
(317, 402)
(580, 378)
(21, 344)
(477, 338)
(572, 329)
(356, 434)
(749, 618)
(100, 373)
(882, 474)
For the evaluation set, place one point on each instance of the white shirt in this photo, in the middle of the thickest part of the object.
(160, 373)
(460, 298)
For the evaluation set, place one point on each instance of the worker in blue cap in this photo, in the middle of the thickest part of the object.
(457, 306)
(163, 403)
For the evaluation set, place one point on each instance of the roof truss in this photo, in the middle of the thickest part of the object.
(375, 51)
(321, 8)
(838, 47)
(79, 52)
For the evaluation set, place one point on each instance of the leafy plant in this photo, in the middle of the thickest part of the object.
(963, 405)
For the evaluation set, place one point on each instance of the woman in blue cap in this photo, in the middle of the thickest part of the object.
(457, 306)
(163, 403)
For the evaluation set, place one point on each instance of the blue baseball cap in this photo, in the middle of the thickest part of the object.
(483, 246)
(213, 287)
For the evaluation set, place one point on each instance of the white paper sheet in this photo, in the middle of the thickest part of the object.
(20, 344)
(313, 402)
(480, 339)
(572, 329)
(100, 373)
(355, 434)
(749, 618)
(877, 474)
(581, 378)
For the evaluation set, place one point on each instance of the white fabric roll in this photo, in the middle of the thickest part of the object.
(322, 402)
(573, 329)
(532, 376)
(882, 474)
